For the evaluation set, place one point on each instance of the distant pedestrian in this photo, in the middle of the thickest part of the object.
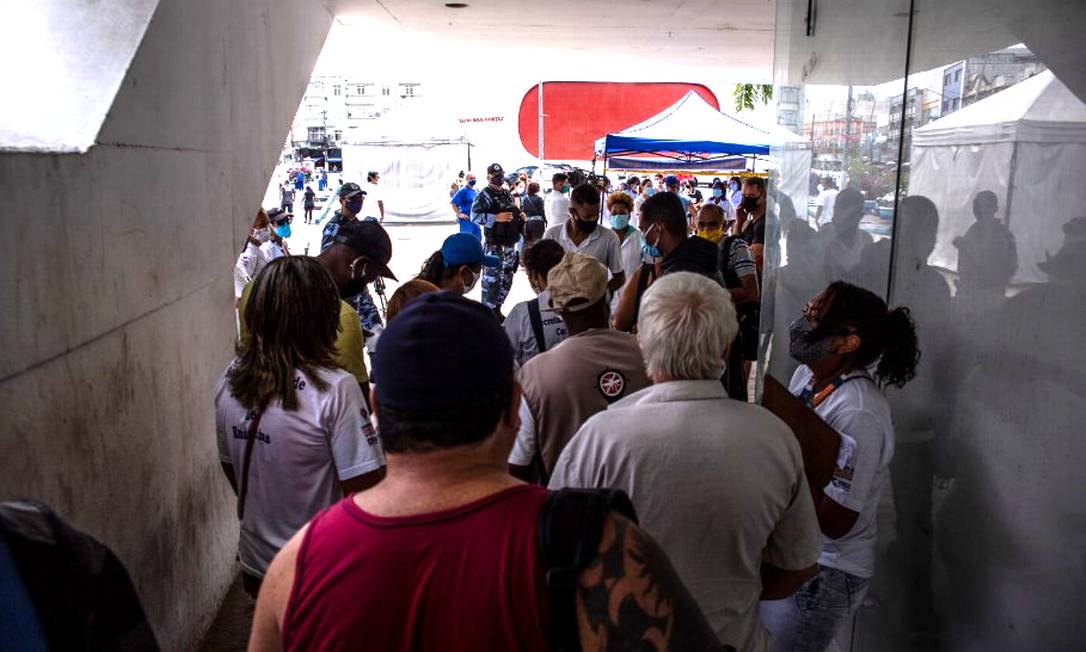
(535, 214)
(286, 197)
(461, 205)
(309, 204)
(556, 205)
(375, 200)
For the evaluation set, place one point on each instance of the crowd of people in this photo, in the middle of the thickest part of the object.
(586, 471)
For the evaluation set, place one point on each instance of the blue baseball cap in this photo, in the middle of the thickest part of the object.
(440, 348)
(671, 180)
(465, 249)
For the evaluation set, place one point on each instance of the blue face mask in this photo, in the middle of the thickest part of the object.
(717, 192)
(355, 206)
(620, 221)
(650, 251)
(650, 192)
(283, 230)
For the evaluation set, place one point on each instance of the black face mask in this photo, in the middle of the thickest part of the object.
(750, 204)
(584, 226)
(496, 180)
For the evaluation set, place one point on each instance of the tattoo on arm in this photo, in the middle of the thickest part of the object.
(631, 598)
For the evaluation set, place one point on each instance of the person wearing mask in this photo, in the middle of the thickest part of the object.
(503, 224)
(842, 335)
(251, 259)
(535, 216)
(647, 190)
(735, 191)
(293, 430)
(448, 551)
(671, 184)
(633, 187)
(458, 265)
(309, 204)
(719, 482)
(407, 293)
(720, 200)
(580, 233)
(358, 254)
(694, 192)
(750, 218)
(659, 179)
(351, 200)
(533, 322)
(461, 205)
(375, 207)
(667, 248)
(280, 225)
(620, 206)
(556, 205)
(594, 367)
(740, 276)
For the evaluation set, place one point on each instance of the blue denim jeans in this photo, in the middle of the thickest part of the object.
(807, 620)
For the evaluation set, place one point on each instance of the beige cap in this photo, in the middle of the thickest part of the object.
(576, 277)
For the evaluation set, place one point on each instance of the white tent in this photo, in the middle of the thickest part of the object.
(417, 154)
(1020, 144)
(691, 134)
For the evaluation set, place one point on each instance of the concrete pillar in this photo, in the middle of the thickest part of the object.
(117, 297)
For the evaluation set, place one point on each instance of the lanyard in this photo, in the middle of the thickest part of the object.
(813, 399)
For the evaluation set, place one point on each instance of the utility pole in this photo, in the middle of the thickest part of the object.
(540, 125)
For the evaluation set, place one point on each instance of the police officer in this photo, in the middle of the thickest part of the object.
(503, 223)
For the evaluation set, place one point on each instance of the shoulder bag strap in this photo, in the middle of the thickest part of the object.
(243, 481)
(536, 319)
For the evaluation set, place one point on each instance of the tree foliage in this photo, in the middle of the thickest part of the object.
(747, 95)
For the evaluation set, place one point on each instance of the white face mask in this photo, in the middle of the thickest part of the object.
(262, 235)
(475, 276)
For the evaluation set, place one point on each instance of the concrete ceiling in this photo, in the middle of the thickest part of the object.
(736, 35)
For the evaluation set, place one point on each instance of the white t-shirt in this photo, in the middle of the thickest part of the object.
(826, 199)
(251, 261)
(518, 328)
(602, 244)
(374, 194)
(556, 207)
(631, 261)
(860, 413)
(298, 460)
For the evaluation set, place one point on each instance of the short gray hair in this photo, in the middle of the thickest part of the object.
(685, 326)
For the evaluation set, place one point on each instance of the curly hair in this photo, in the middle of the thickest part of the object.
(620, 199)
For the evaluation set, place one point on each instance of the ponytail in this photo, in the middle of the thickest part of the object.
(900, 353)
(433, 270)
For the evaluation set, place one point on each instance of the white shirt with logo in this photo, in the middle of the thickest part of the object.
(298, 459)
(860, 413)
(518, 328)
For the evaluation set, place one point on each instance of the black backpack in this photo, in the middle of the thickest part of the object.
(569, 534)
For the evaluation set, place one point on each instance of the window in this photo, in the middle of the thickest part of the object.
(946, 79)
(385, 90)
(957, 75)
(336, 89)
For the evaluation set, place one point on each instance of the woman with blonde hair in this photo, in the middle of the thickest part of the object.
(293, 430)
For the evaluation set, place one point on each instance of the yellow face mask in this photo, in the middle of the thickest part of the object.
(712, 235)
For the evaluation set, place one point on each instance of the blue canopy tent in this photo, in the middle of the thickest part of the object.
(692, 135)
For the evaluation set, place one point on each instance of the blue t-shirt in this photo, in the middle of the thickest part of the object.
(464, 198)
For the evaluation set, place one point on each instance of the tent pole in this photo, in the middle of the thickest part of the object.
(1010, 186)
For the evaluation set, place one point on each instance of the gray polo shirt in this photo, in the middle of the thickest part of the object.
(718, 483)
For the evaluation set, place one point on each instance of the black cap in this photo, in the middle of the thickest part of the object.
(494, 168)
(368, 238)
(278, 215)
(440, 347)
(350, 188)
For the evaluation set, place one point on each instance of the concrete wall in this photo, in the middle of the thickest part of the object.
(117, 299)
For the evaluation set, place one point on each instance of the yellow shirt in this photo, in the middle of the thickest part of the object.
(349, 342)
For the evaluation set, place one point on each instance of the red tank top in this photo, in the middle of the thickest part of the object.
(467, 578)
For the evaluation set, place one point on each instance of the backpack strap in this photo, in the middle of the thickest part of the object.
(536, 319)
(569, 534)
(243, 481)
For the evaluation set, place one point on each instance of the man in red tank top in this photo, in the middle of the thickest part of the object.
(442, 554)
